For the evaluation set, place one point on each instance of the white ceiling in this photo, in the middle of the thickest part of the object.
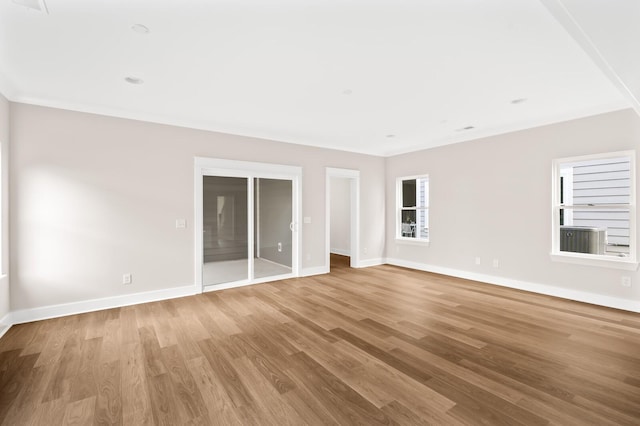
(331, 73)
(609, 32)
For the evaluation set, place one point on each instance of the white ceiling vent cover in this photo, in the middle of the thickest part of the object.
(37, 5)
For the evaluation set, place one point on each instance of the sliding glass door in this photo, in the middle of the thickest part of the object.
(248, 228)
(273, 218)
(225, 235)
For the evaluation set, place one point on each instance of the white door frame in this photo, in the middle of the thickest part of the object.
(204, 166)
(354, 180)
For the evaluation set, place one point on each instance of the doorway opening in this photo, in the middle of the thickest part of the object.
(342, 218)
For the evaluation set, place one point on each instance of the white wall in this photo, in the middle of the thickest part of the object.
(340, 215)
(491, 198)
(93, 197)
(4, 201)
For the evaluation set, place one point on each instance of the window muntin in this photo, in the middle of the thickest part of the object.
(413, 208)
(594, 207)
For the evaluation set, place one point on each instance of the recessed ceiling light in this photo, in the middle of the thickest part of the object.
(140, 29)
(133, 80)
(390, 136)
(347, 92)
(519, 101)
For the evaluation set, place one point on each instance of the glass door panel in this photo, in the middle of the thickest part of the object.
(225, 230)
(273, 218)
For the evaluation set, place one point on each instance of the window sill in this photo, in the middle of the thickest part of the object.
(412, 241)
(599, 261)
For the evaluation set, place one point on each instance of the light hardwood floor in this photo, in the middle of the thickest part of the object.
(381, 345)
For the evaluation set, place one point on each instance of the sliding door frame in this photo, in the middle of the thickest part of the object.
(204, 166)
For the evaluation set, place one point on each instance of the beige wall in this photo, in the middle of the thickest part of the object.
(94, 197)
(4, 222)
(492, 198)
(340, 234)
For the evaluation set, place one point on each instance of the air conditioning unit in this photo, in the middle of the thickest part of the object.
(583, 239)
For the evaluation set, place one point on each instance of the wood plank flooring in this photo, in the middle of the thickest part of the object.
(381, 345)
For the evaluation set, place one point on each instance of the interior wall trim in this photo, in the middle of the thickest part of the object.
(317, 270)
(549, 290)
(5, 324)
(341, 252)
(366, 263)
(55, 311)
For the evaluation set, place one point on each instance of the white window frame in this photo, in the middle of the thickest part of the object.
(399, 208)
(627, 263)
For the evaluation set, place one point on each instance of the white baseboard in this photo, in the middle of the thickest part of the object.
(5, 324)
(54, 311)
(317, 270)
(365, 263)
(564, 293)
(341, 252)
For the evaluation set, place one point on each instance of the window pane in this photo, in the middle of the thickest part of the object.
(409, 193)
(596, 182)
(423, 192)
(225, 231)
(422, 225)
(408, 215)
(273, 253)
(595, 231)
(408, 226)
(413, 208)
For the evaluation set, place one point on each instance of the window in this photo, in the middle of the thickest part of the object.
(413, 208)
(594, 209)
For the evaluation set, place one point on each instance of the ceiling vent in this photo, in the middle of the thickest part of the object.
(36, 5)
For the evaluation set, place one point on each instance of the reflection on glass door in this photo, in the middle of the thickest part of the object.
(273, 224)
(247, 232)
(225, 232)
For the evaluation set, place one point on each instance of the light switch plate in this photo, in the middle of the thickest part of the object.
(181, 223)
(307, 219)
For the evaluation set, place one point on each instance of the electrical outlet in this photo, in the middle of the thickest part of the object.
(126, 279)
(478, 261)
(496, 263)
(364, 250)
(625, 281)
(308, 257)
(279, 247)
